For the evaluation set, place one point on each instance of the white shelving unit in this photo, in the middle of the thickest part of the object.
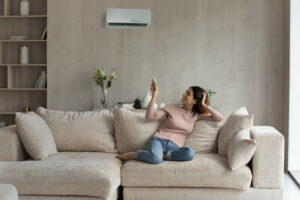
(17, 81)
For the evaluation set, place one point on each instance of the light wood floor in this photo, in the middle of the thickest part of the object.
(291, 191)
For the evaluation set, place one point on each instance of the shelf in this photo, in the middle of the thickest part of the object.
(23, 40)
(23, 89)
(24, 65)
(7, 113)
(22, 17)
(18, 81)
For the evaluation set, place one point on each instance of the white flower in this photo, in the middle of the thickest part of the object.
(102, 72)
(113, 75)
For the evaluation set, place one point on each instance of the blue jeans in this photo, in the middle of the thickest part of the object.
(157, 147)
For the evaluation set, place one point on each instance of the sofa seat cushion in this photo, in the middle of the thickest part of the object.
(205, 170)
(66, 173)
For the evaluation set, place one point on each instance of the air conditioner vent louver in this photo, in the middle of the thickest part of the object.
(129, 24)
(128, 18)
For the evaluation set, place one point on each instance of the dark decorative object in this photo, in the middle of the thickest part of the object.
(137, 104)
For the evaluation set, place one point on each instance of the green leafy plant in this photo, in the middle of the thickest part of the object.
(100, 77)
(210, 93)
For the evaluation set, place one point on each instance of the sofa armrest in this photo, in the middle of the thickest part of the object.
(11, 148)
(268, 159)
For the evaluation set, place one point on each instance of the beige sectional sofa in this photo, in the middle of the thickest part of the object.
(99, 175)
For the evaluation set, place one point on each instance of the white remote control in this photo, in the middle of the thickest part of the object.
(154, 81)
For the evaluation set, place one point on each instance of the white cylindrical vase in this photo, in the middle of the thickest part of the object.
(24, 7)
(24, 56)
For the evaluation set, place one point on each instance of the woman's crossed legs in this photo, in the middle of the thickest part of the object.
(157, 147)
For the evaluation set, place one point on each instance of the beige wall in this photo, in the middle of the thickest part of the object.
(233, 47)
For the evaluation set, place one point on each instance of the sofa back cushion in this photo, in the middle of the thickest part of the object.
(35, 135)
(132, 130)
(203, 139)
(81, 131)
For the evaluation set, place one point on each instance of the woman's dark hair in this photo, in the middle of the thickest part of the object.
(198, 95)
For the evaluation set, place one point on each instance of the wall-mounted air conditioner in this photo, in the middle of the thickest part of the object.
(128, 18)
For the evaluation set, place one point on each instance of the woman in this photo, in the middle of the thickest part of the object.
(167, 142)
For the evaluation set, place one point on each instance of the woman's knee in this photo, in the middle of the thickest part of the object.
(189, 153)
(155, 159)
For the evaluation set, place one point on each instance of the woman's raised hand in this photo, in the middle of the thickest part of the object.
(154, 89)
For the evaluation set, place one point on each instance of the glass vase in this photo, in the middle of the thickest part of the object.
(104, 98)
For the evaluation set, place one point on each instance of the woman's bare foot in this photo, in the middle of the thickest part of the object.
(126, 156)
(165, 157)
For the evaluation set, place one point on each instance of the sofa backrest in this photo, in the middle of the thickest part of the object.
(81, 131)
(204, 137)
(117, 130)
(133, 131)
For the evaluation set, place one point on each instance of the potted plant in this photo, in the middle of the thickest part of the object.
(105, 82)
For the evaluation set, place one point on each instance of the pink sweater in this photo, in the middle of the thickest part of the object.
(179, 123)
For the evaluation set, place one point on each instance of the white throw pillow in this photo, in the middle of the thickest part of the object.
(203, 139)
(236, 122)
(241, 149)
(132, 130)
(35, 135)
(81, 131)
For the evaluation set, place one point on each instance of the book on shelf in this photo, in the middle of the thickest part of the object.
(42, 80)
(126, 105)
(18, 37)
(43, 73)
(37, 82)
(44, 35)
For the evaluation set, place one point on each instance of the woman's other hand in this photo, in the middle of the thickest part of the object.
(203, 100)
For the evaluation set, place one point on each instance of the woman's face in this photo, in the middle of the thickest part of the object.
(188, 97)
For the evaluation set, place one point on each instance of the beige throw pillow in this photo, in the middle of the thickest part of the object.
(203, 139)
(241, 149)
(35, 135)
(132, 130)
(81, 131)
(241, 111)
(236, 122)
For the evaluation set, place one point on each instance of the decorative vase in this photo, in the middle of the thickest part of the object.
(146, 100)
(104, 98)
(161, 105)
(24, 7)
(155, 107)
(24, 58)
